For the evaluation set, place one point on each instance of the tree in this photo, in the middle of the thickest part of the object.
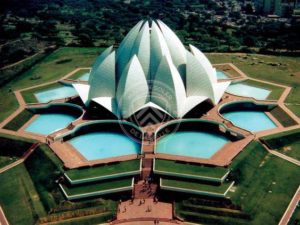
(85, 39)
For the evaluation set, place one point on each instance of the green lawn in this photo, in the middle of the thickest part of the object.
(12, 148)
(276, 91)
(53, 67)
(6, 160)
(191, 169)
(295, 109)
(104, 170)
(265, 184)
(193, 185)
(260, 66)
(19, 198)
(100, 186)
(287, 143)
(79, 73)
(19, 120)
(89, 220)
(228, 70)
(292, 150)
(205, 213)
(283, 117)
(29, 192)
(44, 168)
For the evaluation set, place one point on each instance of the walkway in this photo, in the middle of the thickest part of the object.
(290, 209)
(144, 210)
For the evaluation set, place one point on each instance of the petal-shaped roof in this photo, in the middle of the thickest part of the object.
(98, 61)
(159, 48)
(197, 80)
(141, 48)
(83, 91)
(176, 48)
(151, 67)
(168, 90)
(124, 51)
(133, 91)
(103, 78)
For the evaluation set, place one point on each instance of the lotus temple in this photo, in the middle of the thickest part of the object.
(153, 111)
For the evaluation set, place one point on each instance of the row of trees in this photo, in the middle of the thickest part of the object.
(91, 21)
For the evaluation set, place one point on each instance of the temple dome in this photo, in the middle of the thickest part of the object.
(151, 66)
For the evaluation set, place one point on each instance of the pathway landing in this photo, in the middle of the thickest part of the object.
(146, 210)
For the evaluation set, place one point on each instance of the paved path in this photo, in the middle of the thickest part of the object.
(285, 157)
(3, 220)
(144, 210)
(290, 209)
(151, 222)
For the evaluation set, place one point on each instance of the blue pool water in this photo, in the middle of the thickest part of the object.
(48, 123)
(84, 77)
(248, 91)
(197, 144)
(101, 145)
(55, 93)
(221, 75)
(250, 120)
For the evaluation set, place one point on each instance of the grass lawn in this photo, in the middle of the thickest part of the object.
(191, 169)
(89, 220)
(228, 70)
(6, 160)
(275, 94)
(19, 198)
(261, 67)
(295, 109)
(44, 168)
(265, 184)
(19, 120)
(79, 73)
(283, 117)
(100, 186)
(53, 67)
(191, 185)
(104, 170)
(12, 148)
(287, 143)
(292, 150)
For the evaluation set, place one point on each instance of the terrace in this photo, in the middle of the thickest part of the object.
(170, 168)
